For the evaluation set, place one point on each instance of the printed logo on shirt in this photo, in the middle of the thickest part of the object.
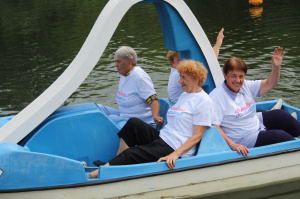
(121, 96)
(246, 110)
(173, 111)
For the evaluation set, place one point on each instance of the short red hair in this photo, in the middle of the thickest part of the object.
(194, 69)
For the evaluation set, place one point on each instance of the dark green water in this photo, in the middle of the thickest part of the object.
(39, 39)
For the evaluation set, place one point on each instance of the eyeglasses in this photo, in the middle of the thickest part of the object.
(236, 76)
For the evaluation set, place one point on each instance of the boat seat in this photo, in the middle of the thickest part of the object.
(212, 141)
(165, 104)
(79, 132)
(121, 123)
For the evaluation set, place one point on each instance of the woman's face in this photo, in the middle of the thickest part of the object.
(176, 61)
(234, 80)
(123, 66)
(189, 85)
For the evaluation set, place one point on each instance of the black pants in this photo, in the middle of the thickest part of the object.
(281, 127)
(144, 143)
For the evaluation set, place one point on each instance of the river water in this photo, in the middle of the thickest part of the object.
(39, 39)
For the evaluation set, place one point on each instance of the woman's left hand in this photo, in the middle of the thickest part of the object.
(159, 121)
(170, 160)
(277, 57)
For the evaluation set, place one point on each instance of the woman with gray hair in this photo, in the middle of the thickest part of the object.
(136, 95)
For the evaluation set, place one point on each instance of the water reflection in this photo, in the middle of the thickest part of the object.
(256, 12)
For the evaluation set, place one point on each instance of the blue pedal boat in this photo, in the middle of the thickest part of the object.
(46, 150)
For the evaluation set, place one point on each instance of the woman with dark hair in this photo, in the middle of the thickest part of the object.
(236, 116)
(187, 121)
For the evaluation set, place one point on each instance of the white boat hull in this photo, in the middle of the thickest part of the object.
(198, 182)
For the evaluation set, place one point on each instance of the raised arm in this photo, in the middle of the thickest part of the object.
(219, 42)
(271, 82)
(190, 143)
(241, 149)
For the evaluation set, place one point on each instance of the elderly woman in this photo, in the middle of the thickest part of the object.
(174, 88)
(136, 96)
(236, 116)
(187, 121)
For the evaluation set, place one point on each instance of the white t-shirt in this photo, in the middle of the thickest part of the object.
(236, 112)
(174, 88)
(191, 109)
(133, 91)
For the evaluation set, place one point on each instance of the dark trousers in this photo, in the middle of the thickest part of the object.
(280, 127)
(144, 143)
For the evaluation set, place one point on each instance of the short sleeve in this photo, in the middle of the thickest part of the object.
(253, 86)
(145, 87)
(219, 113)
(203, 112)
(218, 105)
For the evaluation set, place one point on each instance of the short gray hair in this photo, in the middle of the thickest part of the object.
(126, 52)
